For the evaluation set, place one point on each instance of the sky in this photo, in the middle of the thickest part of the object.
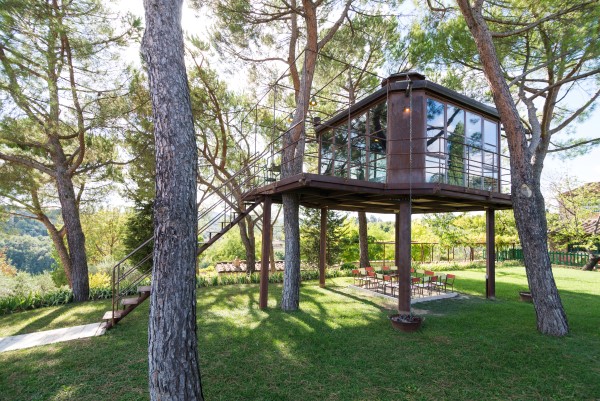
(585, 168)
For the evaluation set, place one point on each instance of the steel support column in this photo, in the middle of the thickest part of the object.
(490, 251)
(323, 247)
(403, 257)
(266, 249)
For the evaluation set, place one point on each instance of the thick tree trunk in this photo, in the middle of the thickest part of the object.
(290, 298)
(59, 245)
(526, 164)
(70, 214)
(174, 372)
(592, 261)
(363, 239)
(530, 217)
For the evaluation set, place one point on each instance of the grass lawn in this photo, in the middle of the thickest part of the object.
(339, 346)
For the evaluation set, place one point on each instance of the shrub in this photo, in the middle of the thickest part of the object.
(100, 280)
(59, 276)
(348, 266)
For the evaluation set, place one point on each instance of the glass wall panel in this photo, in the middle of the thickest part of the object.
(357, 149)
(435, 169)
(490, 130)
(456, 145)
(436, 142)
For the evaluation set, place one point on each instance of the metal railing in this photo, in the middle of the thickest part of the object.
(226, 208)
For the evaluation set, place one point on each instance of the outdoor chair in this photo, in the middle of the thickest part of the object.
(449, 282)
(415, 285)
(424, 282)
(356, 275)
(380, 282)
(431, 283)
(363, 277)
(387, 282)
(440, 283)
(371, 279)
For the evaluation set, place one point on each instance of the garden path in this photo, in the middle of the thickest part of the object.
(51, 336)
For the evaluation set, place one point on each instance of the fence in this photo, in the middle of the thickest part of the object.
(577, 259)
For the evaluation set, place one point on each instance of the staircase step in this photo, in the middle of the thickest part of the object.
(109, 315)
(143, 288)
(131, 301)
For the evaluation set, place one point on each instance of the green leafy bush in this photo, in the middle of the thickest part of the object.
(348, 266)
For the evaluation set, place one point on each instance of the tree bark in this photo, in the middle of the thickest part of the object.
(246, 227)
(363, 239)
(525, 163)
(592, 261)
(290, 298)
(59, 245)
(70, 214)
(173, 362)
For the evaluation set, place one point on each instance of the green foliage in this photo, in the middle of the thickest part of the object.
(27, 253)
(310, 234)
(576, 205)
(139, 228)
(104, 231)
(205, 280)
(59, 276)
(17, 303)
(228, 248)
(348, 266)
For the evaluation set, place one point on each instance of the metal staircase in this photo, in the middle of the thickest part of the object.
(222, 209)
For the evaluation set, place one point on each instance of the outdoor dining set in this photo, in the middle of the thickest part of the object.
(387, 278)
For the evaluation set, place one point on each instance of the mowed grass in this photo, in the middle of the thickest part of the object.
(339, 346)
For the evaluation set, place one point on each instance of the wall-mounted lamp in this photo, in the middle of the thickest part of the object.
(313, 101)
(407, 109)
(291, 117)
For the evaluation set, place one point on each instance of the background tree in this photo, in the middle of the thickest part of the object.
(252, 33)
(104, 233)
(56, 97)
(174, 372)
(346, 73)
(310, 234)
(225, 134)
(543, 50)
(140, 175)
(576, 220)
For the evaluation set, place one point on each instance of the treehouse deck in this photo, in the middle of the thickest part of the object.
(336, 193)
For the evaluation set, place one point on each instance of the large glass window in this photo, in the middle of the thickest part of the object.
(462, 147)
(357, 149)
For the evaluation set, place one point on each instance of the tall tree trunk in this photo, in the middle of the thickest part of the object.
(363, 239)
(174, 372)
(70, 214)
(526, 164)
(292, 159)
(290, 298)
(59, 245)
(246, 227)
(57, 237)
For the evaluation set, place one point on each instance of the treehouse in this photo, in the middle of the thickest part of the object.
(411, 147)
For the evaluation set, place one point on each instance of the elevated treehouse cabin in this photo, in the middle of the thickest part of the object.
(411, 147)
